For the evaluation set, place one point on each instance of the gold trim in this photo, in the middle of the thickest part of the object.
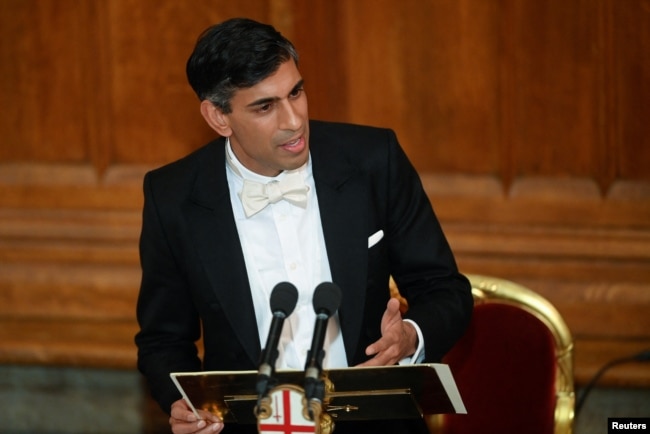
(486, 289)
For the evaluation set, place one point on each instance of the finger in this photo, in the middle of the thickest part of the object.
(369, 362)
(383, 358)
(200, 427)
(393, 305)
(181, 411)
(181, 427)
(213, 423)
(209, 417)
(389, 319)
(385, 351)
(377, 347)
(214, 427)
(391, 315)
(186, 416)
(377, 360)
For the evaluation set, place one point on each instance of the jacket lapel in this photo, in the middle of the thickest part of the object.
(341, 199)
(214, 230)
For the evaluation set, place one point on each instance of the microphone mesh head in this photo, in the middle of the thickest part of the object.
(327, 298)
(284, 298)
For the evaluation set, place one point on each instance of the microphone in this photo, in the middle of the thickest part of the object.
(283, 300)
(326, 300)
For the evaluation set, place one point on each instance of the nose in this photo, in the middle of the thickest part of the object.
(290, 117)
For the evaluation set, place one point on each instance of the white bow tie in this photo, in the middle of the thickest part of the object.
(256, 196)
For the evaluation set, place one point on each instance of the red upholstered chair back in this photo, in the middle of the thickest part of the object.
(513, 367)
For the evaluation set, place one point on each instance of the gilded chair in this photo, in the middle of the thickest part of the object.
(513, 366)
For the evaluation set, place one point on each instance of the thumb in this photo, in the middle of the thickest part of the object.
(391, 314)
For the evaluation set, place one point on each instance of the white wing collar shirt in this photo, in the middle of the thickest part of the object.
(282, 240)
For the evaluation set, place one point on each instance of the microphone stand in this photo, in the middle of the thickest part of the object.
(326, 300)
(314, 385)
(283, 301)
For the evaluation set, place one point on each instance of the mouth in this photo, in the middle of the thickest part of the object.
(295, 145)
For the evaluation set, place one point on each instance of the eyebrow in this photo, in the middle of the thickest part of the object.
(271, 99)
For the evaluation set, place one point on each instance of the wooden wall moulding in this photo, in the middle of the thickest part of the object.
(71, 186)
(68, 286)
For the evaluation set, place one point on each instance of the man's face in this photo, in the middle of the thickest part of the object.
(269, 123)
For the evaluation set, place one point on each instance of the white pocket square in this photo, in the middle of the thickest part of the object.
(375, 238)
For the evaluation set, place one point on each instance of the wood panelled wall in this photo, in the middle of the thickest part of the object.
(528, 122)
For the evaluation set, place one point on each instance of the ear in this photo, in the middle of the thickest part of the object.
(216, 118)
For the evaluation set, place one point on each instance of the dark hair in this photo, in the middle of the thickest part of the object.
(237, 53)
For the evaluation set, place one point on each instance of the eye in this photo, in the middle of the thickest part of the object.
(264, 108)
(296, 92)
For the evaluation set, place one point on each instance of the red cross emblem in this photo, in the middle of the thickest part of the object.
(287, 416)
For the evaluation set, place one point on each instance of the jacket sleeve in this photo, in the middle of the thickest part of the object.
(421, 260)
(169, 322)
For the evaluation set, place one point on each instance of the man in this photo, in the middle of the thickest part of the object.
(355, 214)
